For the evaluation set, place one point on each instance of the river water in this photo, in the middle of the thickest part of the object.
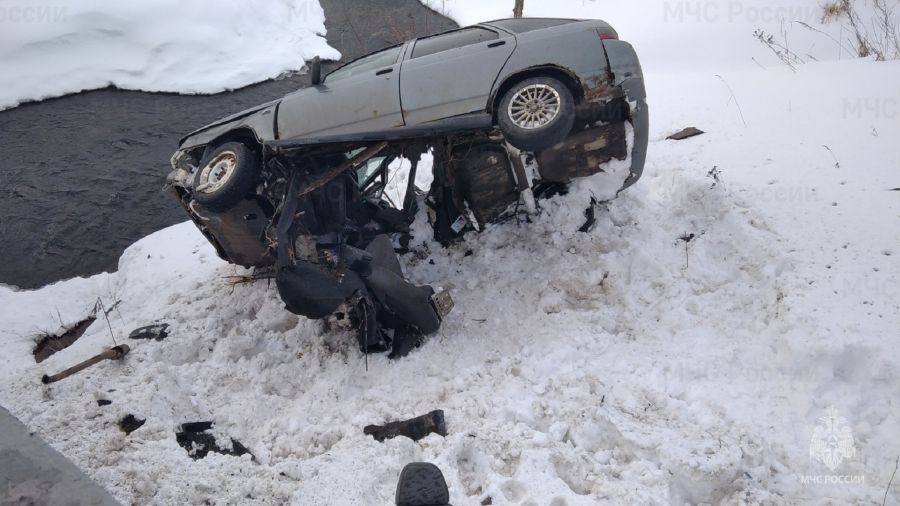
(81, 176)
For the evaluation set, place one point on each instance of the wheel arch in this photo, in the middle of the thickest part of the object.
(244, 135)
(564, 75)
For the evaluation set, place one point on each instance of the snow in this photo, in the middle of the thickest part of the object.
(56, 47)
(619, 366)
(688, 34)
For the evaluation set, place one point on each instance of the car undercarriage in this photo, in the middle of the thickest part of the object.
(305, 189)
(320, 222)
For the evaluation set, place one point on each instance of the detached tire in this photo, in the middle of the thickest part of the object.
(537, 113)
(225, 175)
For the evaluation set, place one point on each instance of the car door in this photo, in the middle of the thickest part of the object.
(362, 96)
(452, 73)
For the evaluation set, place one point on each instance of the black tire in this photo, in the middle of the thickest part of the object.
(543, 136)
(244, 174)
(421, 484)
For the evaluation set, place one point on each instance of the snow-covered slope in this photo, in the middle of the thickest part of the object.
(691, 34)
(620, 366)
(54, 47)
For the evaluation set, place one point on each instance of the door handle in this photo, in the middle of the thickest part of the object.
(384, 71)
(497, 44)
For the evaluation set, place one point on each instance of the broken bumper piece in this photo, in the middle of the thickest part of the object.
(442, 303)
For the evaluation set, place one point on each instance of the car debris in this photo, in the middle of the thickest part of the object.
(414, 428)
(130, 423)
(590, 216)
(511, 111)
(156, 332)
(49, 344)
(687, 133)
(114, 353)
(198, 441)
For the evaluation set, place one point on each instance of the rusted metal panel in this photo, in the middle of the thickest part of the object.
(583, 153)
(483, 177)
(596, 88)
(239, 233)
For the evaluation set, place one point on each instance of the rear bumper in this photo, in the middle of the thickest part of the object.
(625, 68)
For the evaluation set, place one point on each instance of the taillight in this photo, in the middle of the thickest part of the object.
(607, 34)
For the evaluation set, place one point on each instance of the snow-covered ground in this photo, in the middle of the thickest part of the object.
(50, 48)
(620, 366)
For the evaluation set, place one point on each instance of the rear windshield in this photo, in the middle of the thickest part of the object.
(523, 25)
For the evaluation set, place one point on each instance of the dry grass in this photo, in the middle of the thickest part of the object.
(878, 37)
(873, 36)
(832, 11)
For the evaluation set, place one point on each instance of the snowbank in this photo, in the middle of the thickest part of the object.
(54, 47)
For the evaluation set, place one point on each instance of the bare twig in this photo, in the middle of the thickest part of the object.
(837, 164)
(733, 98)
(836, 41)
(784, 54)
(99, 306)
(888, 489)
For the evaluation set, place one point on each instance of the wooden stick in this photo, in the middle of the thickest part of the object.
(115, 353)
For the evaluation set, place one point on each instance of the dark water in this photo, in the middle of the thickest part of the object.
(81, 176)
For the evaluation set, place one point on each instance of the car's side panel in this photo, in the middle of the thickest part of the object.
(453, 82)
(575, 48)
(360, 103)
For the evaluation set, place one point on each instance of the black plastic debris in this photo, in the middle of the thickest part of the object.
(103, 402)
(196, 439)
(130, 424)
(590, 216)
(406, 339)
(688, 237)
(687, 133)
(414, 428)
(157, 332)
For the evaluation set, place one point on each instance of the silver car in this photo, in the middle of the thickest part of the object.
(511, 109)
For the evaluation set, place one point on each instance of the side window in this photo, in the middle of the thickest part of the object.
(371, 62)
(452, 40)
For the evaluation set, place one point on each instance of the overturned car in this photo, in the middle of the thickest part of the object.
(510, 110)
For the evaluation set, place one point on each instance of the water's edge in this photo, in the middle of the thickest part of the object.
(81, 176)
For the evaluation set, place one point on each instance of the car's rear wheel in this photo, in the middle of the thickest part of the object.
(536, 113)
(225, 175)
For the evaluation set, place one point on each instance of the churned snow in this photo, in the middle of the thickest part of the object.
(55, 47)
(684, 350)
